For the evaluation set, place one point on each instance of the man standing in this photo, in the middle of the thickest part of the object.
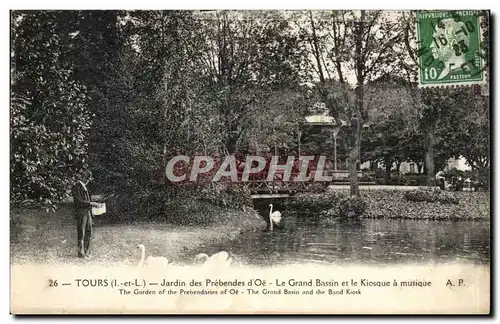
(83, 214)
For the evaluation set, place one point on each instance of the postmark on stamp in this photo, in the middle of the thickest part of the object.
(450, 51)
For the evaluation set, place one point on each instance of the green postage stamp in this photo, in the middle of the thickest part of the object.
(450, 51)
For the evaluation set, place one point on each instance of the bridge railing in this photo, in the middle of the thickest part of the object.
(260, 183)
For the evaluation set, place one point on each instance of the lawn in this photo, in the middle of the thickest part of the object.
(37, 236)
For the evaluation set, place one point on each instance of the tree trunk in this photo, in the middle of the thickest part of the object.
(232, 139)
(231, 146)
(353, 172)
(357, 114)
(419, 167)
(429, 157)
(388, 166)
(398, 167)
(353, 158)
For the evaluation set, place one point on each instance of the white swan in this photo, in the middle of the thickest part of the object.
(274, 218)
(220, 258)
(151, 260)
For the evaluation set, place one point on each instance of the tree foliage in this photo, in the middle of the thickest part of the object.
(246, 59)
(120, 92)
(443, 137)
(49, 113)
(352, 48)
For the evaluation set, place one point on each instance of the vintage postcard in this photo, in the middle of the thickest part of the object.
(250, 162)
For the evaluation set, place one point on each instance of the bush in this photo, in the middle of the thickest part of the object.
(318, 187)
(232, 195)
(206, 206)
(393, 181)
(483, 178)
(411, 182)
(191, 211)
(409, 179)
(379, 173)
(365, 178)
(346, 207)
(415, 179)
(170, 204)
(327, 205)
(431, 194)
(352, 206)
(141, 204)
(397, 181)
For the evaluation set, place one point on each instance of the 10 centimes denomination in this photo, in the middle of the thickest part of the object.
(450, 48)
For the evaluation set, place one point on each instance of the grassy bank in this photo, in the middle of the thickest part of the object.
(392, 204)
(37, 236)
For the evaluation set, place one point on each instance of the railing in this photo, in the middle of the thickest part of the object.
(260, 183)
(277, 186)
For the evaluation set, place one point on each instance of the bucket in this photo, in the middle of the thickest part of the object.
(99, 209)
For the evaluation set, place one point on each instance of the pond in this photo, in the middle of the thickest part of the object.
(367, 241)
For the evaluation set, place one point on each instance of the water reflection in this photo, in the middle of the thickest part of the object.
(368, 241)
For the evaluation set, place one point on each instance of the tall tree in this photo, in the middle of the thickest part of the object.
(352, 47)
(165, 112)
(465, 129)
(94, 48)
(393, 111)
(246, 57)
(49, 111)
(275, 122)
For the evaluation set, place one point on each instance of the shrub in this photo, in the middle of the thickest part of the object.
(431, 194)
(171, 204)
(191, 211)
(379, 173)
(411, 182)
(484, 178)
(313, 203)
(318, 187)
(453, 173)
(140, 204)
(327, 205)
(393, 181)
(231, 195)
(365, 178)
(352, 206)
(415, 179)
(409, 179)
(346, 207)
